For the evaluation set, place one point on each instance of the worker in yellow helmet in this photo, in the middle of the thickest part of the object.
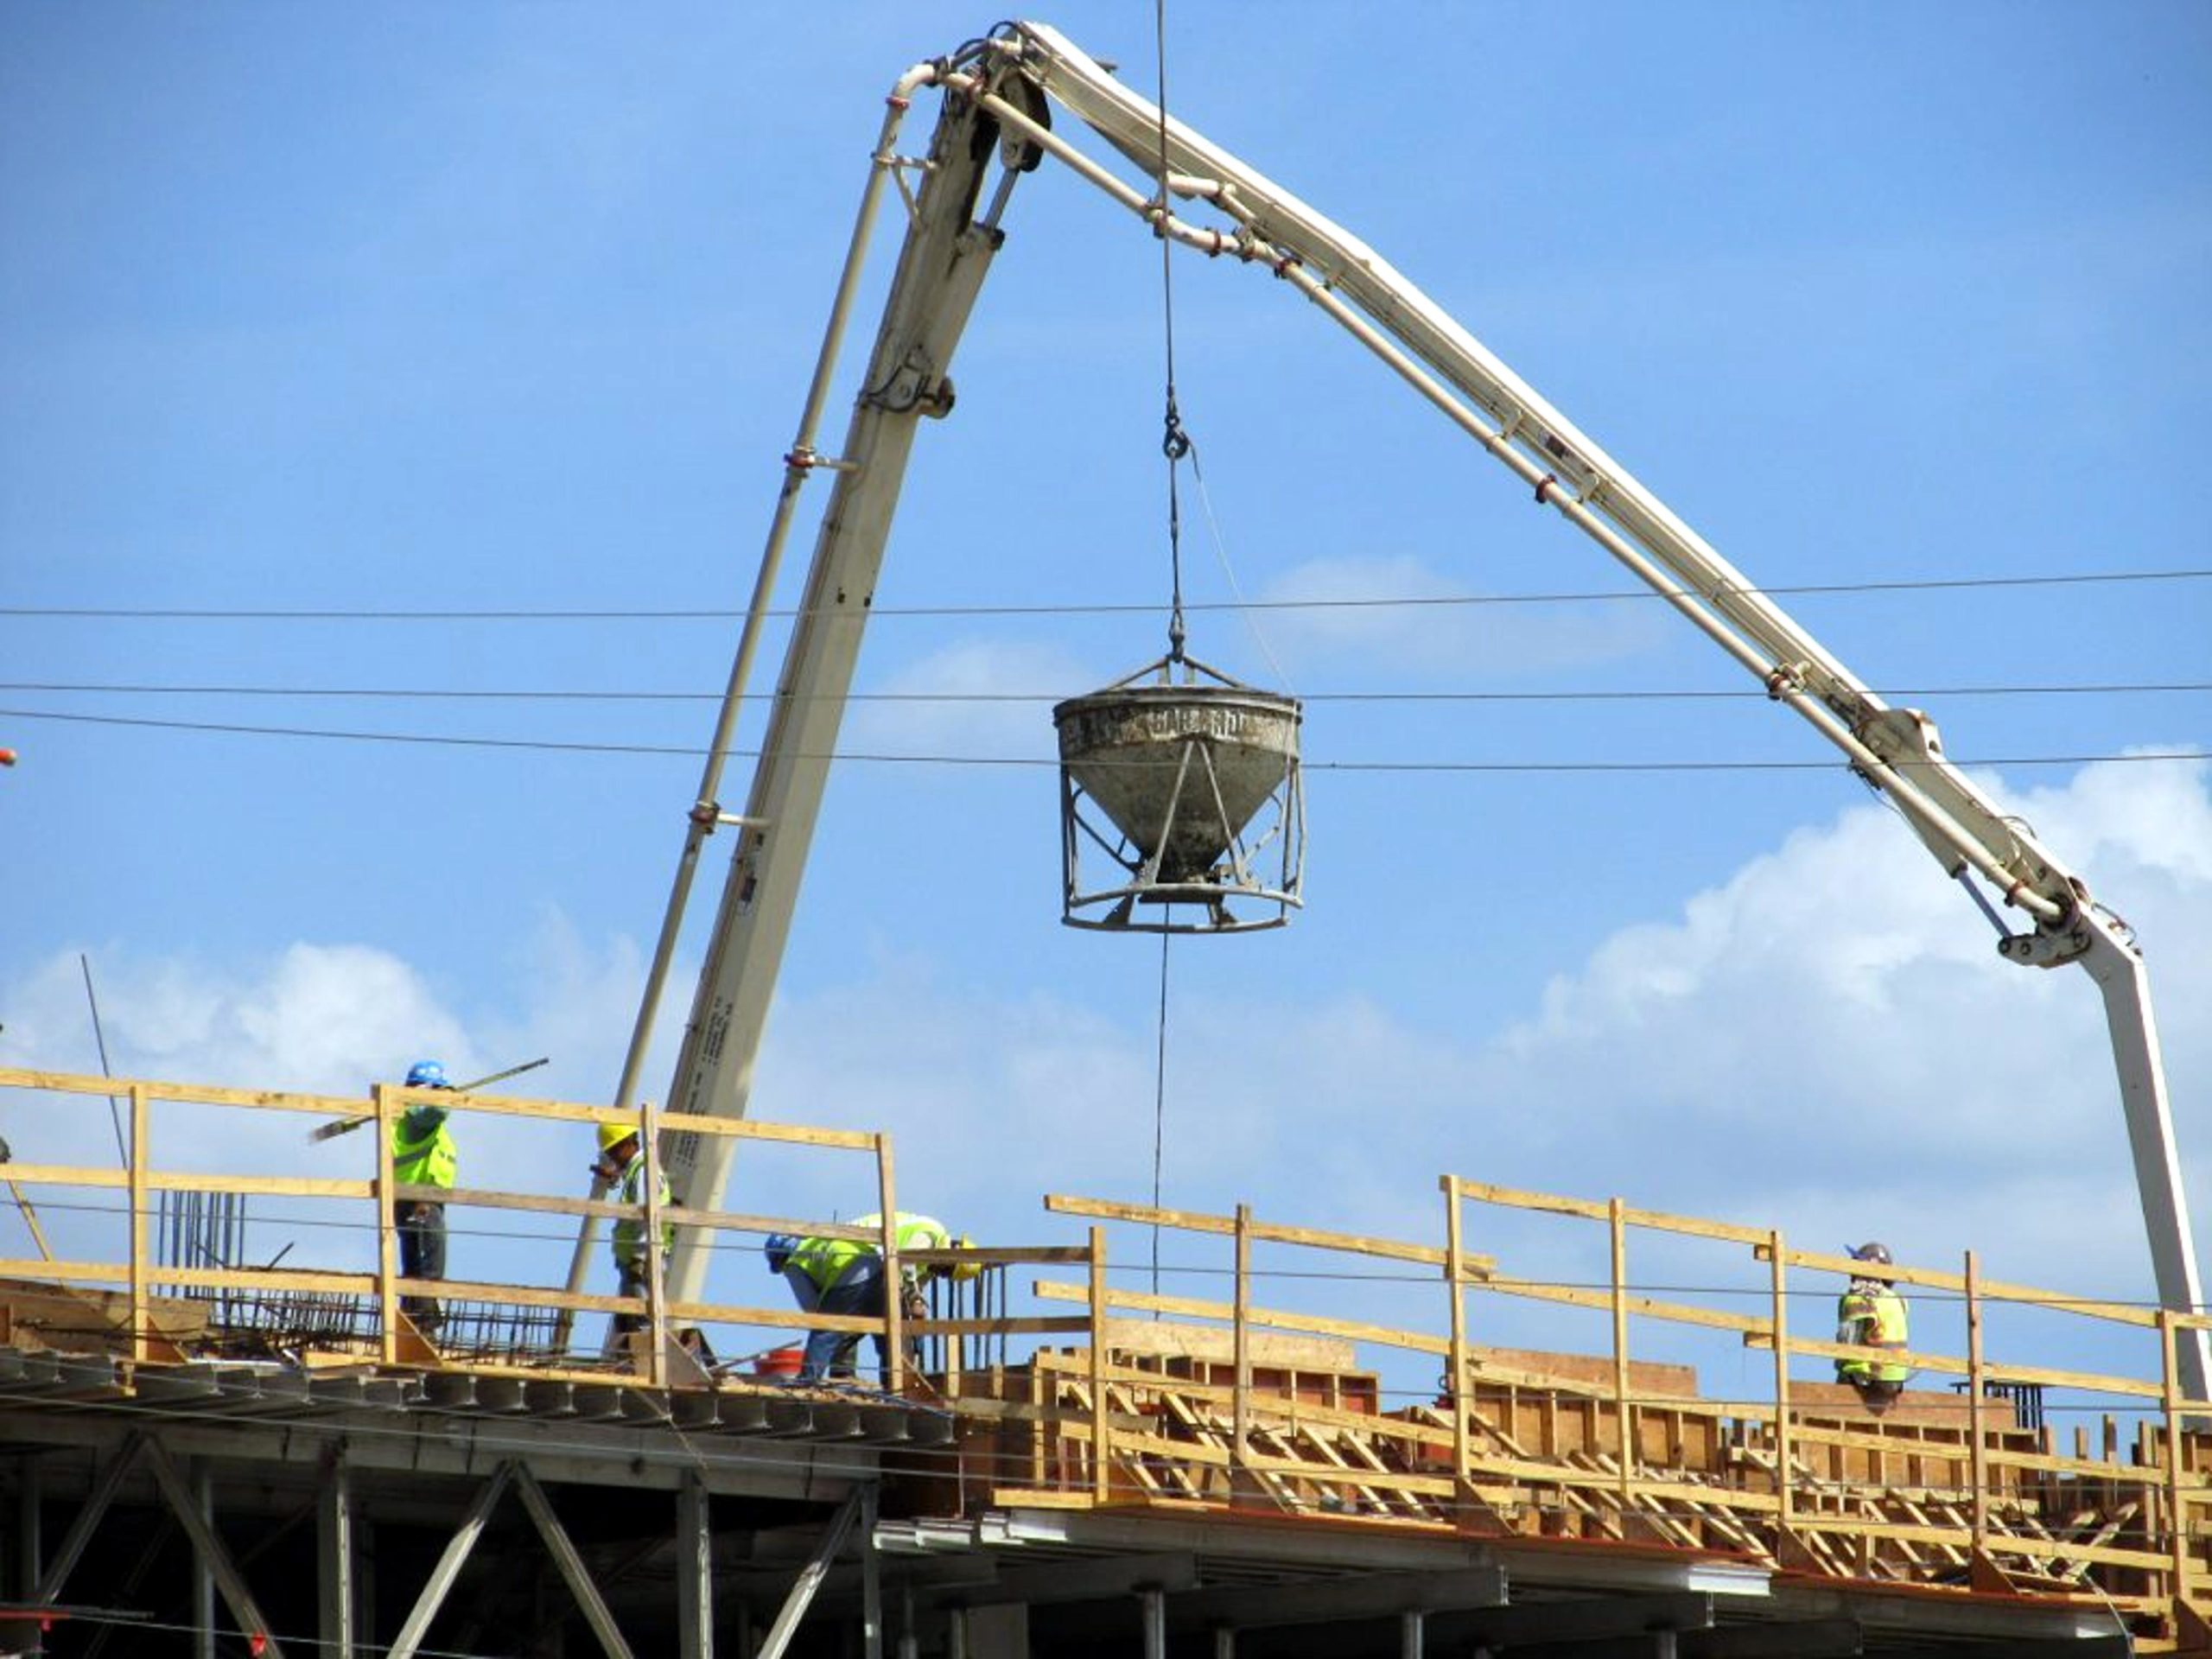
(423, 1154)
(1873, 1315)
(621, 1164)
(845, 1275)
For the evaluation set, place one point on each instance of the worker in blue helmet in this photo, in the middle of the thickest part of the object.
(423, 1155)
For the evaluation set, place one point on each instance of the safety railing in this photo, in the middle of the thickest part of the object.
(1858, 1492)
(1610, 1436)
(119, 1233)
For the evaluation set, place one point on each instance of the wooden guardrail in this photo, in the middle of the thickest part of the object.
(1617, 1444)
(142, 1174)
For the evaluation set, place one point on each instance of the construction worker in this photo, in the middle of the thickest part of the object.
(423, 1154)
(622, 1166)
(845, 1275)
(1872, 1314)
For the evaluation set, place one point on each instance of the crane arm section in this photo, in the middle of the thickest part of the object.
(998, 92)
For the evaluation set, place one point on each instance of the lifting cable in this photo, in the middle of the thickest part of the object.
(1174, 444)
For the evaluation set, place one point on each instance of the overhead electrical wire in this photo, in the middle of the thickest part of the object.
(512, 613)
(554, 745)
(477, 694)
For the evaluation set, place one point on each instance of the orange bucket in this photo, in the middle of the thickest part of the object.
(779, 1361)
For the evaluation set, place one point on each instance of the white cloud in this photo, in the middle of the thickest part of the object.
(1494, 640)
(1826, 1042)
(974, 698)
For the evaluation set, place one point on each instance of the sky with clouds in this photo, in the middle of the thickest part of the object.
(471, 340)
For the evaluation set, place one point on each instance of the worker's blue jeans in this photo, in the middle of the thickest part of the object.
(858, 1294)
(422, 1255)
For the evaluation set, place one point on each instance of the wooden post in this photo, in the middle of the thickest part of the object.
(142, 1156)
(1623, 1411)
(1778, 1277)
(1456, 1384)
(1242, 1406)
(656, 1314)
(2176, 1516)
(1978, 1457)
(387, 1234)
(1099, 1459)
(894, 1280)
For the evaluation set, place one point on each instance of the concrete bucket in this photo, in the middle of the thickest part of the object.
(1182, 775)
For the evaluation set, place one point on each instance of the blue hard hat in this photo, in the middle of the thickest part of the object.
(427, 1074)
(777, 1248)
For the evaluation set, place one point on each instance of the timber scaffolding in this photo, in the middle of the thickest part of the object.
(1070, 1466)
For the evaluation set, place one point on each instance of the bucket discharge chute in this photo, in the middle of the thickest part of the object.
(1190, 792)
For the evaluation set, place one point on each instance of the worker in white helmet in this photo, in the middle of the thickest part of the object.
(845, 1275)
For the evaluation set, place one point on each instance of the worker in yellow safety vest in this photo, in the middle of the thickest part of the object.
(621, 1164)
(845, 1275)
(423, 1154)
(1872, 1314)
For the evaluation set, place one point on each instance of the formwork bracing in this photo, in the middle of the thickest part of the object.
(1063, 1458)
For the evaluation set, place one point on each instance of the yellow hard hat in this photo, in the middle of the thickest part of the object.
(613, 1131)
(965, 1270)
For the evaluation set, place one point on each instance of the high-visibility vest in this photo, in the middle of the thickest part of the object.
(629, 1230)
(423, 1149)
(1873, 1319)
(826, 1260)
(910, 1233)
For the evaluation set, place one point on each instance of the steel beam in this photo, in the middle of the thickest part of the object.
(1808, 1639)
(449, 1564)
(1633, 1622)
(186, 1501)
(1366, 1596)
(558, 1545)
(89, 1517)
(810, 1579)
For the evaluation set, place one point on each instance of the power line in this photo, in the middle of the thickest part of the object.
(552, 746)
(187, 613)
(471, 694)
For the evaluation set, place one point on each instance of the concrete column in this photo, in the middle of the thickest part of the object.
(30, 1548)
(336, 1597)
(695, 1570)
(202, 1480)
(1154, 1603)
(871, 1568)
(999, 1631)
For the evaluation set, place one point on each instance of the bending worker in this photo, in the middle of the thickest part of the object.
(1872, 1314)
(423, 1154)
(622, 1165)
(845, 1275)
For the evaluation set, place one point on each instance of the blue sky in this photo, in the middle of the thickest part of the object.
(510, 308)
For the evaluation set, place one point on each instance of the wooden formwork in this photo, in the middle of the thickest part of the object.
(1268, 1408)
(1186, 1403)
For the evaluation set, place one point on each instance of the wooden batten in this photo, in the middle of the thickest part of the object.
(1167, 1339)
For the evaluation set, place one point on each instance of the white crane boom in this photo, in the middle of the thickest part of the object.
(996, 93)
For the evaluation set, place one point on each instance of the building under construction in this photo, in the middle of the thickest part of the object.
(221, 1457)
